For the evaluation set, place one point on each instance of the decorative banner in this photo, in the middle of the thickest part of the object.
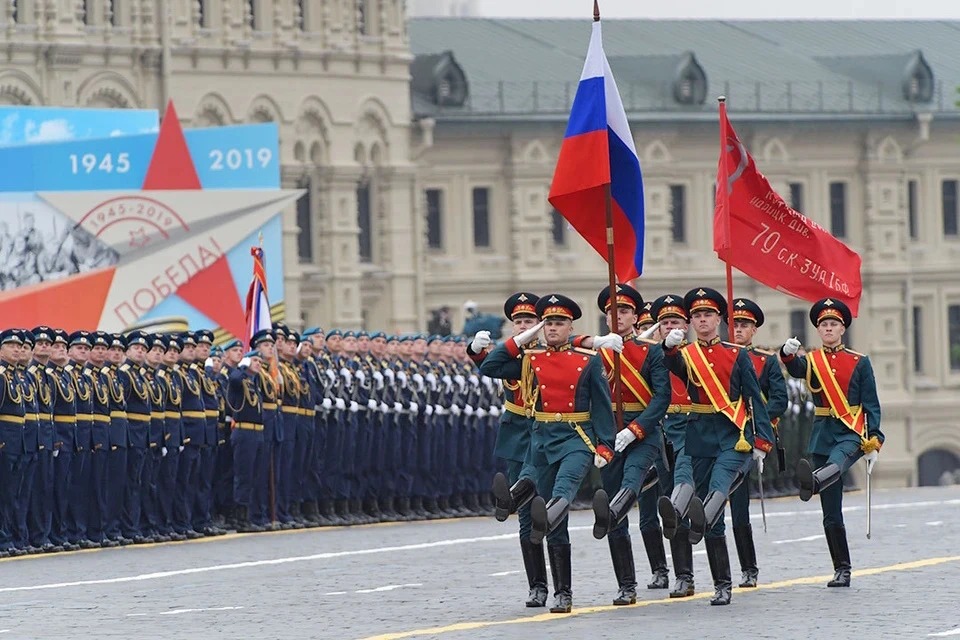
(172, 250)
(29, 125)
(240, 157)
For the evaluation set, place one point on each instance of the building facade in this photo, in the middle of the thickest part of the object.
(333, 75)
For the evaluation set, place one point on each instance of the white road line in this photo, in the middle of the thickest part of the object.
(900, 526)
(335, 593)
(807, 539)
(176, 612)
(389, 587)
(935, 523)
(452, 542)
(4, 630)
(944, 634)
(503, 573)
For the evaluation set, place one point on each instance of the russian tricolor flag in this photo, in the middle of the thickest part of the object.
(258, 306)
(598, 150)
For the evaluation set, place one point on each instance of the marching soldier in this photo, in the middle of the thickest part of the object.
(264, 342)
(729, 420)
(747, 318)
(81, 470)
(670, 314)
(100, 446)
(152, 521)
(645, 317)
(119, 441)
(565, 389)
(311, 402)
(645, 387)
(846, 422)
(40, 512)
(324, 417)
(193, 426)
(514, 491)
(168, 496)
(246, 406)
(290, 409)
(12, 413)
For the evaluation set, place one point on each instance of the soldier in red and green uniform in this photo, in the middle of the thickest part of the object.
(846, 425)
(567, 393)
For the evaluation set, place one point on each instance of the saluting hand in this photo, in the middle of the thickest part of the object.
(529, 335)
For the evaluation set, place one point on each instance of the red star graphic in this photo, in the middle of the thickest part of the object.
(211, 291)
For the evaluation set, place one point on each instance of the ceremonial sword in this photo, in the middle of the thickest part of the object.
(763, 508)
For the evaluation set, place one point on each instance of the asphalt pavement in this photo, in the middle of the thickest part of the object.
(457, 579)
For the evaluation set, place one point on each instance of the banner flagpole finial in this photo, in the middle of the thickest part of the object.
(596, 11)
(721, 99)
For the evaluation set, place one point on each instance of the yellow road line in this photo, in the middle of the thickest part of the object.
(551, 617)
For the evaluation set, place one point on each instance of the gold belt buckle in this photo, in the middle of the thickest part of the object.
(558, 417)
(528, 412)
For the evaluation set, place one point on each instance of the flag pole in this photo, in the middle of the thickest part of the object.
(725, 197)
(612, 276)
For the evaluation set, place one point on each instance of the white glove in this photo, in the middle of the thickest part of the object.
(402, 377)
(460, 381)
(327, 404)
(652, 331)
(610, 341)
(390, 374)
(372, 404)
(758, 457)
(481, 413)
(417, 378)
(244, 363)
(432, 380)
(163, 452)
(495, 411)
(598, 461)
(181, 449)
(488, 383)
(871, 459)
(428, 409)
(529, 335)
(448, 383)
(208, 362)
(397, 407)
(624, 438)
(340, 404)
(361, 376)
(379, 378)
(384, 408)
(474, 380)
(468, 409)
(56, 452)
(674, 338)
(791, 346)
(455, 410)
(440, 411)
(347, 376)
(354, 407)
(480, 341)
(414, 407)
(331, 375)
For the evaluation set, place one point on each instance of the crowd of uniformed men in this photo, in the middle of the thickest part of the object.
(109, 439)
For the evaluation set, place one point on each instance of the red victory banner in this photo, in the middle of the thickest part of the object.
(755, 231)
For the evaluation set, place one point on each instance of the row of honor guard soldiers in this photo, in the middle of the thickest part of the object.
(696, 418)
(110, 440)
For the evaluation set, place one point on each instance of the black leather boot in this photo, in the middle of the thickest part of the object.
(813, 482)
(388, 511)
(607, 515)
(621, 552)
(536, 569)
(682, 552)
(311, 514)
(561, 569)
(546, 517)
(674, 509)
(720, 570)
(509, 499)
(703, 519)
(371, 509)
(343, 510)
(653, 544)
(747, 554)
(403, 508)
(432, 508)
(840, 553)
(243, 522)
